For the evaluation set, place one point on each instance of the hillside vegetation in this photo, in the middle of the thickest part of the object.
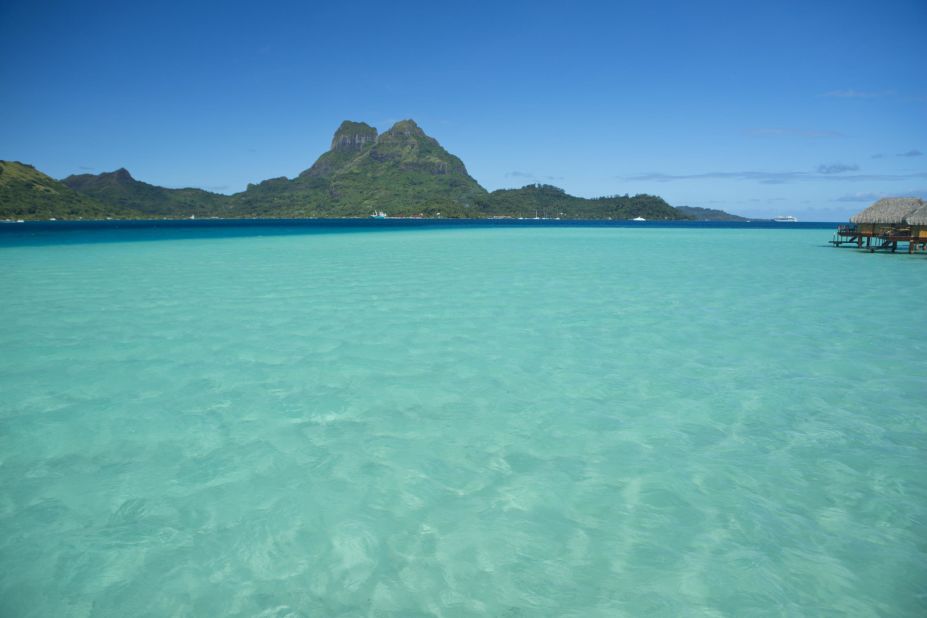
(119, 189)
(26, 193)
(403, 172)
(708, 214)
(552, 202)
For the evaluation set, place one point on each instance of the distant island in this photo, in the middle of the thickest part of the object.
(709, 214)
(402, 172)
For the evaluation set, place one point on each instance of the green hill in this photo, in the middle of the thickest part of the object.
(26, 193)
(402, 172)
(121, 190)
(708, 214)
(550, 201)
(405, 172)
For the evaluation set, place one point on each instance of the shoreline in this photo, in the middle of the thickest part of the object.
(393, 222)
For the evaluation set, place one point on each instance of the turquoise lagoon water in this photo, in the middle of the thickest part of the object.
(464, 421)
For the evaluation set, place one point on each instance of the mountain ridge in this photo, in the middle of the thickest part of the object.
(27, 193)
(709, 214)
(402, 171)
(120, 190)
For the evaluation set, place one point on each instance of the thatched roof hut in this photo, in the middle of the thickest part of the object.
(888, 210)
(919, 216)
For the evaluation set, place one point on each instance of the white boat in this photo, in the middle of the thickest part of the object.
(785, 219)
(638, 219)
(378, 215)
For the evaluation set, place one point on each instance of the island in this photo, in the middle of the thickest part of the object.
(402, 172)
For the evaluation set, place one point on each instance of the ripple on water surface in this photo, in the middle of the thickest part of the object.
(441, 422)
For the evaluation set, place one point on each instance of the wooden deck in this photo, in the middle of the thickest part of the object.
(880, 240)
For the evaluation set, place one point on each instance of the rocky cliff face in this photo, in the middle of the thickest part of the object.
(353, 136)
(350, 140)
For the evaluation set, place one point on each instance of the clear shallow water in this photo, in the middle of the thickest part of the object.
(454, 422)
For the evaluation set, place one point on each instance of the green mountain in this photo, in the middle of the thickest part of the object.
(26, 193)
(402, 172)
(119, 189)
(709, 214)
(549, 201)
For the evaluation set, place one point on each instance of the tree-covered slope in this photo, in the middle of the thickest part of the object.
(550, 201)
(26, 193)
(119, 189)
(402, 172)
(405, 172)
(708, 214)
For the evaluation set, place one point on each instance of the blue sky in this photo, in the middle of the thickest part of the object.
(806, 108)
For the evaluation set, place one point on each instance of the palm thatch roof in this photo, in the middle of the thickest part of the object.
(892, 210)
(918, 217)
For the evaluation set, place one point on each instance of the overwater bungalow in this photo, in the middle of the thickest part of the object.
(918, 222)
(884, 224)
